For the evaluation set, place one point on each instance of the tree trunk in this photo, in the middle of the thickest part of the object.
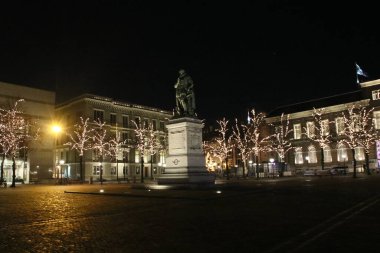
(367, 164)
(81, 168)
(101, 169)
(142, 169)
(151, 166)
(354, 160)
(244, 162)
(322, 159)
(227, 170)
(117, 169)
(14, 172)
(257, 166)
(2, 169)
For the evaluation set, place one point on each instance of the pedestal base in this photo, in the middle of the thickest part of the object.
(184, 179)
(186, 162)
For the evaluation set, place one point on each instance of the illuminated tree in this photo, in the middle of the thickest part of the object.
(221, 145)
(15, 132)
(320, 132)
(153, 144)
(114, 148)
(358, 131)
(241, 138)
(100, 144)
(368, 136)
(141, 144)
(280, 141)
(80, 141)
(256, 121)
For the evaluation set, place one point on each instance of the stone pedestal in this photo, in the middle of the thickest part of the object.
(185, 163)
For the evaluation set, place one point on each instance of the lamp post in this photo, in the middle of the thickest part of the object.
(271, 160)
(56, 129)
(61, 162)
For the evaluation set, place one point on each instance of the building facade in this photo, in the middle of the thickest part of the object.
(118, 117)
(38, 106)
(306, 154)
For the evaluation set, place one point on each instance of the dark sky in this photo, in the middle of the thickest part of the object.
(240, 55)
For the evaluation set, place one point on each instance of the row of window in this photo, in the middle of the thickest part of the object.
(311, 154)
(99, 115)
(96, 170)
(325, 126)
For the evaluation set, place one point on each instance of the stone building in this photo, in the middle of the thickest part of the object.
(306, 154)
(118, 117)
(38, 106)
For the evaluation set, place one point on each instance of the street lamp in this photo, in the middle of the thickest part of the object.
(271, 160)
(56, 129)
(61, 162)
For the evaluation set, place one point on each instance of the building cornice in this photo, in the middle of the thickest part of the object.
(370, 83)
(328, 109)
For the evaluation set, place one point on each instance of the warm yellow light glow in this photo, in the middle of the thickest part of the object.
(56, 128)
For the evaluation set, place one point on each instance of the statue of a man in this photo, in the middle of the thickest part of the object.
(185, 100)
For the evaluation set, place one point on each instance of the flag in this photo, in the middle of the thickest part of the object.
(359, 71)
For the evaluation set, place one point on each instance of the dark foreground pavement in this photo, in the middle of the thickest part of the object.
(308, 214)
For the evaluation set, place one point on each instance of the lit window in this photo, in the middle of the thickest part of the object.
(113, 170)
(375, 94)
(325, 129)
(359, 153)
(297, 131)
(376, 119)
(310, 128)
(341, 153)
(339, 125)
(312, 153)
(327, 154)
(96, 170)
(298, 156)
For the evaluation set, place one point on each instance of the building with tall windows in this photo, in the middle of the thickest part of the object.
(37, 106)
(307, 154)
(119, 118)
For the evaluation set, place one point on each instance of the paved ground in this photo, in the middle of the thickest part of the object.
(304, 214)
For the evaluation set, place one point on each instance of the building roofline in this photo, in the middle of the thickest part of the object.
(313, 100)
(370, 83)
(111, 100)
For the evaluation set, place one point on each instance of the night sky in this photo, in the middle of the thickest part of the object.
(241, 56)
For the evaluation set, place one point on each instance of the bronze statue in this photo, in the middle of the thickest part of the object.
(185, 100)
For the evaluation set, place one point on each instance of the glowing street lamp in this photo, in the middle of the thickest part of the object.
(56, 130)
(271, 160)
